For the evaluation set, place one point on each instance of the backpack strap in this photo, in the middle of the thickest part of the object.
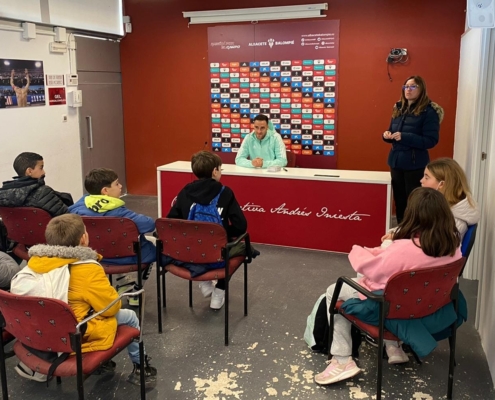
(215, 199)
(59, 360)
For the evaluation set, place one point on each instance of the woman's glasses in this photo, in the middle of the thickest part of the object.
(411, 87)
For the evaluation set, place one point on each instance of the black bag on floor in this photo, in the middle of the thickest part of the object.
(321, 331)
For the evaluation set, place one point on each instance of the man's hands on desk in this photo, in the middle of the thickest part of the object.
(257, 162)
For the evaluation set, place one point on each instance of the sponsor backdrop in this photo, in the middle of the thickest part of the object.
(288, 72)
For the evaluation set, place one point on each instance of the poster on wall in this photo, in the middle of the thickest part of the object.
(286, 71)
(22, 83)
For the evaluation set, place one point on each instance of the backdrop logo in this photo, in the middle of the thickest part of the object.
(271, 42)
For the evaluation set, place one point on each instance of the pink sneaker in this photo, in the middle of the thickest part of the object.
(396, 355)
(336, 372)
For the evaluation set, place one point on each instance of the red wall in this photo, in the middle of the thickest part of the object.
(166, 87)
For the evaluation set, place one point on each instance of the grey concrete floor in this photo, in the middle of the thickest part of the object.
(267, 357)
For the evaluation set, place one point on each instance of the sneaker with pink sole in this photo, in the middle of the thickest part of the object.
(336, 372)
(395, 354)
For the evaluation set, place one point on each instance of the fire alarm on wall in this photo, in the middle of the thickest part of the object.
(72, 80)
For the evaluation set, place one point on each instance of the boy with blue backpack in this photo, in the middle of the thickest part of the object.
(208, 200)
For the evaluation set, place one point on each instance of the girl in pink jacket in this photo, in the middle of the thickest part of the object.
(427, 237)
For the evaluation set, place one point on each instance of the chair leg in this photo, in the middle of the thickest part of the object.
(110, 278)
(380, 353)
(142, 363)
(59, 380)
(190, 293)
(3, 371)
(80, 377)
(452, 341)
(164, 289)
(159, 299)
(227, 284)
(245, 289)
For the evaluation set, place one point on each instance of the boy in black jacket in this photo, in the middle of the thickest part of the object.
(207, 168)
(28, 189)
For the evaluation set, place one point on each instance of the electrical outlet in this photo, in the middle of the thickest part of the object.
(64, 118)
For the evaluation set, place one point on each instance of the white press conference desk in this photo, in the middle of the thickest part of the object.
(318, 209)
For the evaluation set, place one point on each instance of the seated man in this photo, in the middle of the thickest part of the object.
(207, 168)
(104, 200)
(263, 147)
(28, 189)
(88, 289)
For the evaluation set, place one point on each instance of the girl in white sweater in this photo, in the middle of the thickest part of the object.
(447, 176)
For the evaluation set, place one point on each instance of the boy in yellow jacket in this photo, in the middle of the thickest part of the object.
(85, 287)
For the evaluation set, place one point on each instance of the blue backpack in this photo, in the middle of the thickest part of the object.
(206, 212)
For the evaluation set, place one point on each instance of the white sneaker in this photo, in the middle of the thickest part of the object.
(395, 354)
(217, 299)
(26, 372)
(206, 288)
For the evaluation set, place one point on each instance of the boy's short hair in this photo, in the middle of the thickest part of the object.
(65, 230)
(99, 178)
(24, 161)
(203, 163)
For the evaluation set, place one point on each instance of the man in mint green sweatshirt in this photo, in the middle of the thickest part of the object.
(263, 147)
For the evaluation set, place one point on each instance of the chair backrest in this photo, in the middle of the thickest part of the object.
(291, 158)
(191, 241)
(112, 237)
(468, 240)
(42, 323)
(25, 225)
(421, 292)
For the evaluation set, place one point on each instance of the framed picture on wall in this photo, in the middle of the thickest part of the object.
(22, 83)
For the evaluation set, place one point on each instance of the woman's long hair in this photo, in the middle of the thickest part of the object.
(455, 185)
(420, 103)
(428, 218)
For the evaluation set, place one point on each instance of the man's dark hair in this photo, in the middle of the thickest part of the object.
(203, 163)
(24, 161)
(261, 117)
(99, 178)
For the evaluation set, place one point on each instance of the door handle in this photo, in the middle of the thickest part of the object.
(89, 123)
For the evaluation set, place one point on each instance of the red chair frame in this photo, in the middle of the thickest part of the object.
(436, 287)
(26, 226)
(42, 323)
(198, 243)
(115, 237)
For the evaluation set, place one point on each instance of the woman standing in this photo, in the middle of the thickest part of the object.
(413, 130)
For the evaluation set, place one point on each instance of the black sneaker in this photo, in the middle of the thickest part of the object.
(149, 373)
(105, 368)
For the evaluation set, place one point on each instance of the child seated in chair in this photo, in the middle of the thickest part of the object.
(88, 289)
(426, 237)
(28, 188)
(103, 200)
(8, 268)
(207, 168)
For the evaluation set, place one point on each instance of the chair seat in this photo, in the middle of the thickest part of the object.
(21, 251)
(371, 330)
(91, 361)
(111, 269)
(219, 273)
